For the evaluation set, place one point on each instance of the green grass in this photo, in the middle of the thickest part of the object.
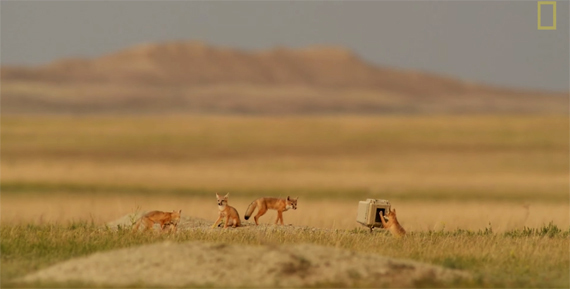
(529, 257)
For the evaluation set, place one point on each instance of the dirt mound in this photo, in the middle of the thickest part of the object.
(189, 223)
(232, 265)
(185, 223)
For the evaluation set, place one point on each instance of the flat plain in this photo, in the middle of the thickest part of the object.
(487, 194)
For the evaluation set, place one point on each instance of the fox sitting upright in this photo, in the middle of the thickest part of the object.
(165, 219)
(281, 205)
(392, 225)
(228, 212)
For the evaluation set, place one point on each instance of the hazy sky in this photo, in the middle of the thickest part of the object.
(495, 42)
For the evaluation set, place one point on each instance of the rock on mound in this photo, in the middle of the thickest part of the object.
(232, 265)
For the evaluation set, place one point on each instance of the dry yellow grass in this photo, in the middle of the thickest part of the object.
(294, 174)
(452, 171)
(486, 157)
(413, 215)
(441, 173)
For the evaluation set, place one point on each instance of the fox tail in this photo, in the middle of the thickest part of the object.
(250, 209)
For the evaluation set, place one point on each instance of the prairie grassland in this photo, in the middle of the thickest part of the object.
(449, 177)
(512, 158)
(333, 214)
(528, 258)
(511, 171)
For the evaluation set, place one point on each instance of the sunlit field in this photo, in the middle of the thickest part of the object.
(463, 186)
(413, 157)
(522, 258)
(462, 171)
(334, 214)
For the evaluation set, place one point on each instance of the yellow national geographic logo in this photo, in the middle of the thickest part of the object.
(545, 3)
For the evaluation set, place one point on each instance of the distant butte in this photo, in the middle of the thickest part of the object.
(205, 78)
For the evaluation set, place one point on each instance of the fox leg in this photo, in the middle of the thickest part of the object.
(147, 224)
(231, 222)
(279, 217)
(261, 212)
(171, 227)
(137, 225)
(384, 223)
(217, 222)
(227, 221)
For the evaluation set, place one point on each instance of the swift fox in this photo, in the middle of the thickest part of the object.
(165, 219)
(392, 225)
(281, 205)
(228, 212)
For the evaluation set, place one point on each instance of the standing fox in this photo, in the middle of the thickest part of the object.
(165, 219)
(392, 225)
(281, 205)
(228, 212)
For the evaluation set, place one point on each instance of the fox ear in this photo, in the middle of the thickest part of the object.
(217, 196)
(179, 211)
(288, 198)
(227, 195)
